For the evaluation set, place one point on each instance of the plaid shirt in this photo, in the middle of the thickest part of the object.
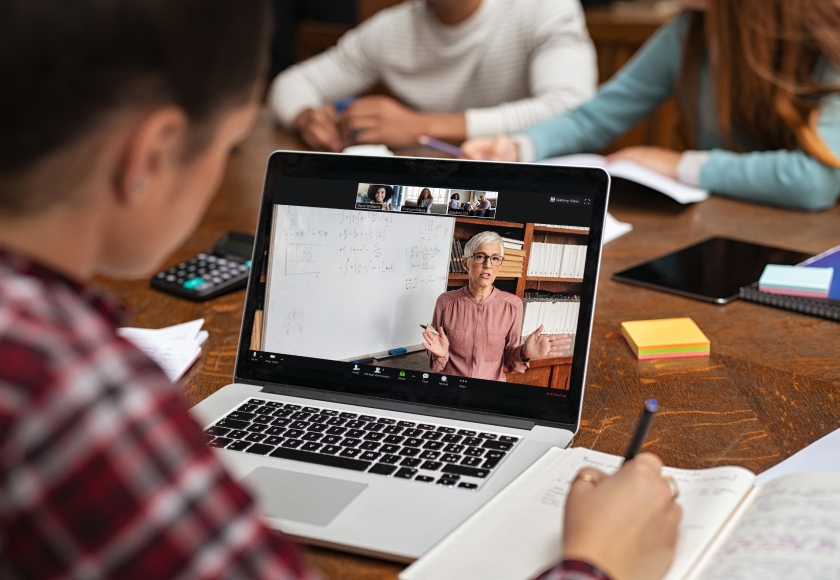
(104, 473)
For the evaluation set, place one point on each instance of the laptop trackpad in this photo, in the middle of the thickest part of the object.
(301, 497)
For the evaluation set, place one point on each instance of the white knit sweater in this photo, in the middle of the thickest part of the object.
(511, 64)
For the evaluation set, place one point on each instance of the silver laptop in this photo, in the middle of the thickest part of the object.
(337, 420)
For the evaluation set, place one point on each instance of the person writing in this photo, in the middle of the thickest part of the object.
(111, 183)
(756, 82)
(425, 200)
(457, 69)
(381, 194)
(475, 331)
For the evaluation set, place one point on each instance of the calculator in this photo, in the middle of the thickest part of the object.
(220, 270)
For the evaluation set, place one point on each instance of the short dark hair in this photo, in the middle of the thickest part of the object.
(389, 192)
(66, 63)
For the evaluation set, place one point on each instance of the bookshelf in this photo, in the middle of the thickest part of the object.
(551, 373)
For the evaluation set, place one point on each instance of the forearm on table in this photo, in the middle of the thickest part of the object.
(444, 126)
(785, 178)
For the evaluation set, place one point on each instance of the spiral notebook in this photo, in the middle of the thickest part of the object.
(823, 307)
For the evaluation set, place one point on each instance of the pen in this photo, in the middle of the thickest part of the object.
(424, 327)
(651, 406)
(440, 146)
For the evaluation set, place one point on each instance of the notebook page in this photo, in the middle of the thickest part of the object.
(789, 530)
(517, 535)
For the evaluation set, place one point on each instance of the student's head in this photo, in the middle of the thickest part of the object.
(762, 55)
(126, 111)
(425, 194)
(455, 196)
(482, 197)
(380, 193)
(480, 253)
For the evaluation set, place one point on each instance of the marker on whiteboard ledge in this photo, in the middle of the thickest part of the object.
(396, 351)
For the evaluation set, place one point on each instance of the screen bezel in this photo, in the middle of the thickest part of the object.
(592, 182)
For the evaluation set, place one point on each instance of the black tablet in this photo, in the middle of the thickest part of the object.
(713, 270)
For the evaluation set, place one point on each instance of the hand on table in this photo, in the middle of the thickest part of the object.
(500, 148)
(545, 345)
(319, 129)
(436, 344)
(625, 524)
(658, 159)
(381, 120)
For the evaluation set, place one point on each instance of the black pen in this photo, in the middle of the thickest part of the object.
(424, 327)
(651, 406)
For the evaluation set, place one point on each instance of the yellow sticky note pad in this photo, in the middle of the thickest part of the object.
(667, 338)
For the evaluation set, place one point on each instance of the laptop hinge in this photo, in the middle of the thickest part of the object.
(403, 407)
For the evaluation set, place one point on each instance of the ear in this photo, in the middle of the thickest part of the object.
(464, 263)
(152, 148)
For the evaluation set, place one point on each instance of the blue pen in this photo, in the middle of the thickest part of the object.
(342, 105)
(440, 146)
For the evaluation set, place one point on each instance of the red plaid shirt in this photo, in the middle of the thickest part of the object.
(105, 474)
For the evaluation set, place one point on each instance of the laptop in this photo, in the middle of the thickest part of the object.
(347, 431)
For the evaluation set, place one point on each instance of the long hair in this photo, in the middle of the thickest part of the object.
(762, 57)
(424, 194)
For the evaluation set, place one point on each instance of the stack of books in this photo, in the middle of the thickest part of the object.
(557, 261)
(557, 312)
(514, 258)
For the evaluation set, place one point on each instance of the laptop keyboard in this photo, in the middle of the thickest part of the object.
(385, 446)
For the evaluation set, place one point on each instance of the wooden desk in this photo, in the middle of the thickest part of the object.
(771, 386)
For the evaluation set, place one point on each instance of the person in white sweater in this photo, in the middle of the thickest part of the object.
(458, 69)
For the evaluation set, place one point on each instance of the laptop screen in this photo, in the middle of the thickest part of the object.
(448, 283)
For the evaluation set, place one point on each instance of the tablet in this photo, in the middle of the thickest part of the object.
(713, 270)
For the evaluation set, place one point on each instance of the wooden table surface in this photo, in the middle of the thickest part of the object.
(770, 387)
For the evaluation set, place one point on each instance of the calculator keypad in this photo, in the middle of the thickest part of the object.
(206, 273)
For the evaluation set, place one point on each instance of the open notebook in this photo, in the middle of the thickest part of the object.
(731, 529)
(632, 171)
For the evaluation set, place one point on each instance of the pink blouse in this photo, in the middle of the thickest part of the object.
(483, 336)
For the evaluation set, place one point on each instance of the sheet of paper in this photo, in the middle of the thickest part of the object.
(632, 171)
(175, 349)
(790, 530)
(674, 189)
(614, 229)
(822, 455)
(517, 535)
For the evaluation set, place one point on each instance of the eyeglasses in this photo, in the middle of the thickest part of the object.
(481, 258)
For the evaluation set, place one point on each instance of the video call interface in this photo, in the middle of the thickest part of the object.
(379, 281)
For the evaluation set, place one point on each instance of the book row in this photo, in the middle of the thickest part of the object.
(556, 260)
(558, 316)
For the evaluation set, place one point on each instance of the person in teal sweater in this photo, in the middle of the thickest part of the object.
(760, 111)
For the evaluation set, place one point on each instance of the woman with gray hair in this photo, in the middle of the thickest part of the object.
(475, 331)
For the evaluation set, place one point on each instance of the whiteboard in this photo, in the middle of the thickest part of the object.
(343, 284)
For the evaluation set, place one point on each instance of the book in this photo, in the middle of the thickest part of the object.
(731, 529)
(823, 307)
(632, 171)
(828, 308)
(665, 338)
(514, 252)
(175, 348)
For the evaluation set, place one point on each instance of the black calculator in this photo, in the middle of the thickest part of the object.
(223, 269)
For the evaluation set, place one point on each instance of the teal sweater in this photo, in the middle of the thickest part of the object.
(786, 178)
